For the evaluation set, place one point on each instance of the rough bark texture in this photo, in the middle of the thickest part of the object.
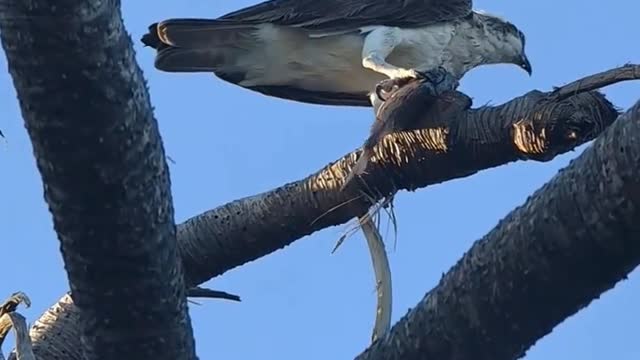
(575, 238)
(60, 322)
(527, 127)
(247, 229)
(97, 146)
(89, 117)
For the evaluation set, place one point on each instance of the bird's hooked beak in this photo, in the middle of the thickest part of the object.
(525, 64)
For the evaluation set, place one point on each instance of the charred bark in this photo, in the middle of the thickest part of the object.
(528, 127)
(537, 126)
(97, 146)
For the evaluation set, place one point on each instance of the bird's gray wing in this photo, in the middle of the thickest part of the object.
(334, 16)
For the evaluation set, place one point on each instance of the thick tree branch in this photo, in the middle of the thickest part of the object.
(532, 126)
(574, 239)
(87, 111)
(528, 127)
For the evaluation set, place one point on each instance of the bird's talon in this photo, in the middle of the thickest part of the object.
(422, 75)
(415, 74)
(379, 93)
(386, 87)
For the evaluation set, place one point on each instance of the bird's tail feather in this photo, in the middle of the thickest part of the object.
(199, 45)
(199, 33)
(172, 59)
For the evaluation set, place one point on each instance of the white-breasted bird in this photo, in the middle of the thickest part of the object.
(334, 52)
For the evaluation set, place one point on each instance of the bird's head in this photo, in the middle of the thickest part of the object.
(519, 57)
(508, 41)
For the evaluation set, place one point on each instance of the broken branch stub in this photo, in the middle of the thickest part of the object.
(9, 318)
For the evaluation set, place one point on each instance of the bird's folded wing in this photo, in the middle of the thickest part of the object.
(336, 16)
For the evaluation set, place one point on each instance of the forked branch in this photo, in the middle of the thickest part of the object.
(533, 126)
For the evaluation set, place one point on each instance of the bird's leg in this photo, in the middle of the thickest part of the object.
(377, 63)
(386, 87)
(377, 46)
(382, 91)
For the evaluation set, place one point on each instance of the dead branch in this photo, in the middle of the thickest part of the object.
(200, 292)
(24, 350)
(8, 306)
(597, 81)
(530, 127)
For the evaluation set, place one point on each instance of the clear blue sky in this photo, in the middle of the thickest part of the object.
(303, 302)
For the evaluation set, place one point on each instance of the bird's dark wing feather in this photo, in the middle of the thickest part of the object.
(314, 97)
(331, 16)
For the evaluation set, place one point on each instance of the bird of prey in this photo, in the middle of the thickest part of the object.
(334, 52)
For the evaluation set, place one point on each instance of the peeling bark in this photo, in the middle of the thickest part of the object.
(56, 334)
(97, 146)
(573, 239)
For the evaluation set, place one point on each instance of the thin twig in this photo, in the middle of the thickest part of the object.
(597, 81)
(200, 292)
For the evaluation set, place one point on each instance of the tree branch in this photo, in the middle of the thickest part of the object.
(87, 111)
(528, 127)
(597, 81)
(8, 306)
(574, 239)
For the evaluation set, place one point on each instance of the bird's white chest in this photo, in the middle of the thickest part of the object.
(422, 48)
